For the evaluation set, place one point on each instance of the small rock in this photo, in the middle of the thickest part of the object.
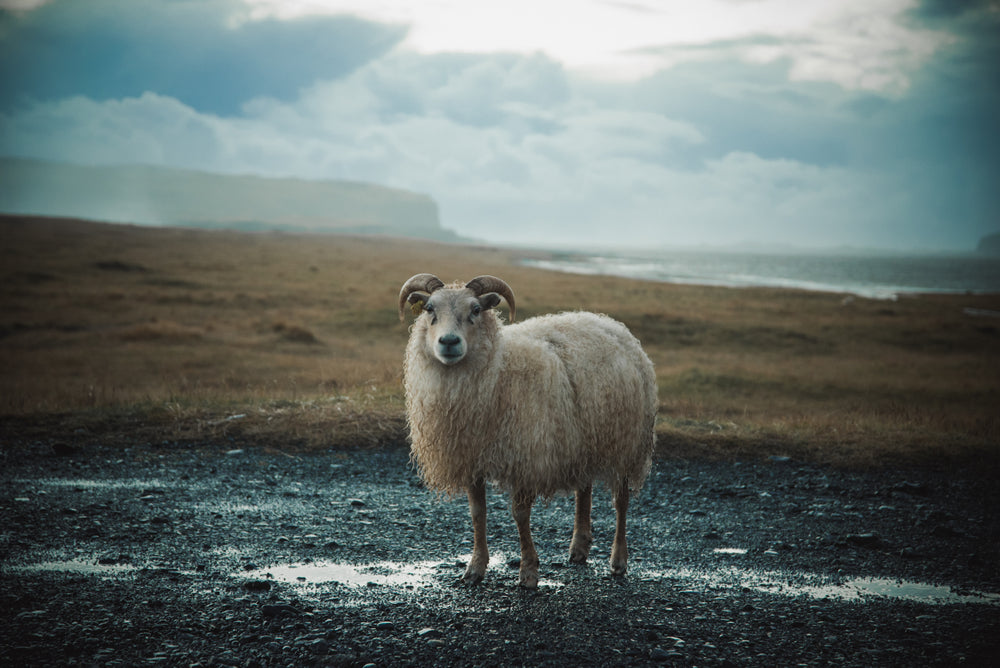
(864, 539)
(907, 487)
(385, 626)
(357, 503)
(429, 633)
(63, 450)
(257, 585)
(659, 654)
(780, 459)
(279, 610)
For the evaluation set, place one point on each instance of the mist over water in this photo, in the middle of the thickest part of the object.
(877, 276)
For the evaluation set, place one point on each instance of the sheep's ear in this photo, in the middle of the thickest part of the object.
(417, 301)
(489, 300)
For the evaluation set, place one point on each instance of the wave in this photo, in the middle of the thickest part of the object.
(871, 276)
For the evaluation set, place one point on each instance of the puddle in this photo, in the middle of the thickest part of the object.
(865, 588)
(92, 483)
(822, 587)
(389, 573)
(80, 567)
(420, 574)
(405, 575)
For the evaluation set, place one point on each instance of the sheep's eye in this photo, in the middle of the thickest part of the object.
(429, 308)
(476, 309)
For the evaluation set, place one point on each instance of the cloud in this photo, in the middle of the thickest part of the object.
(151, 129)
(196, 52)
(518, 146)
(858, 44)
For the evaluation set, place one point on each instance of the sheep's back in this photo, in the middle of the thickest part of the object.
(582, 400)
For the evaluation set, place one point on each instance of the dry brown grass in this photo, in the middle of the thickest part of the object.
(168, 333)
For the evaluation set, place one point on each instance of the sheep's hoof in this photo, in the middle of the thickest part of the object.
(618, 569)
(529, 580)
(579, 550)
(472, 577)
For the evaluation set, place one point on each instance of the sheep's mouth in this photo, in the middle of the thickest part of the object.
(450, 357)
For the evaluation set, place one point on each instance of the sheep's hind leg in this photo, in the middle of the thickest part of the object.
(521, 507)
(583, 537)
(619, 549)
(476, 569)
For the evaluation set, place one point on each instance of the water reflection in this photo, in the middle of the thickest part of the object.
(414, 575)
(388, 573)
(867, 588)
(861, 589)
(81, 567)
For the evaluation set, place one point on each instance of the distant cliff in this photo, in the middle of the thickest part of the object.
(990, 244)
(163, 196)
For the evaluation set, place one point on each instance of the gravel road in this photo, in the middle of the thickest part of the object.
(216, 555)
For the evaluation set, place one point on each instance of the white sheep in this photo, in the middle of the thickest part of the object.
(544, 406)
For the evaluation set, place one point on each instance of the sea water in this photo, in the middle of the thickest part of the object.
(877, 276)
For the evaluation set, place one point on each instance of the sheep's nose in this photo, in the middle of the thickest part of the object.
(449, 340)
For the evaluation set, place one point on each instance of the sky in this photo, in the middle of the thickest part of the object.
(867, 123)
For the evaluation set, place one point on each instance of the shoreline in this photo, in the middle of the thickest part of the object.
(787, 271)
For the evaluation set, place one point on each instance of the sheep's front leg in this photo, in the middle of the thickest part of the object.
(521, 507)
(579, 547)
(619, 549)
(480, 554)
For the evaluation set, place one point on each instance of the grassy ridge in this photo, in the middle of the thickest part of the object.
(294, 339)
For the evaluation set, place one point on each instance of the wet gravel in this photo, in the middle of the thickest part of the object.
(211, 556)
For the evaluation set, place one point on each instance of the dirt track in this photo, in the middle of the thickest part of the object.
(219, 555)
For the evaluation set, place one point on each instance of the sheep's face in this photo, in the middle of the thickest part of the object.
(453, 319)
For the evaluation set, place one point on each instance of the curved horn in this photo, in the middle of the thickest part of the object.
(480, 285)
(419, 283)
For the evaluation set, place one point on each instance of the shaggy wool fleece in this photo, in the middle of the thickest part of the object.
(544, 406)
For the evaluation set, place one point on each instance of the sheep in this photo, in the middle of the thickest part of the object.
(549, 405)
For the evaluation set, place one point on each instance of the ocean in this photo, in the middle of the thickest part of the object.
(875, 276)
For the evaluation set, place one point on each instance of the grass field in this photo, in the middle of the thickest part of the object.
(292, 340)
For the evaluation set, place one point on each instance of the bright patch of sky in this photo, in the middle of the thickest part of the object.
(855, 43)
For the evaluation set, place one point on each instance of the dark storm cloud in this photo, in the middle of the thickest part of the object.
(750, 108)
(189, 50)
(950, 125)
(948, 10)
(939, 137)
